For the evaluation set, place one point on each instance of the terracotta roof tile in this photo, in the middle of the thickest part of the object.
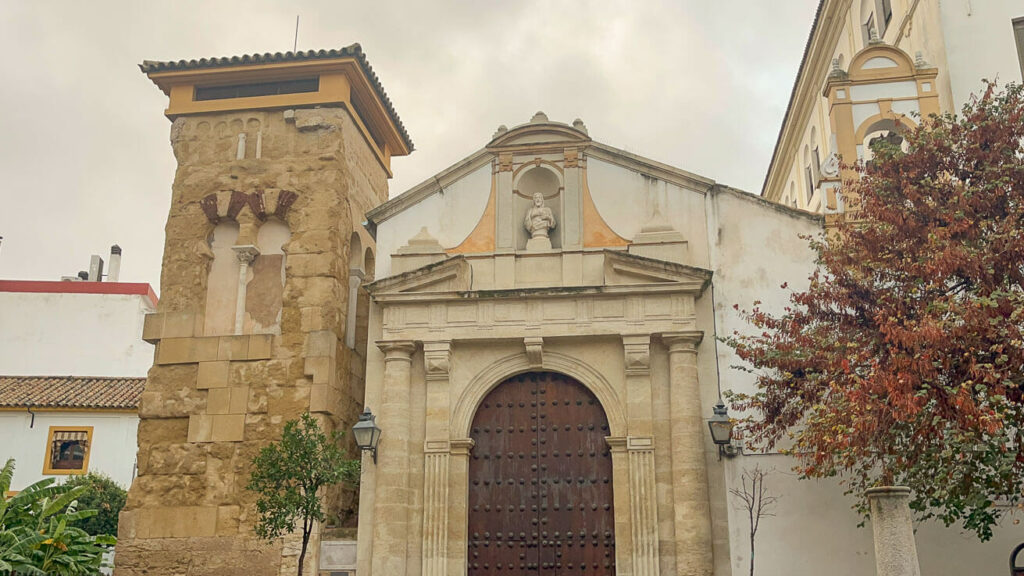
(355, 50)
(70, 392)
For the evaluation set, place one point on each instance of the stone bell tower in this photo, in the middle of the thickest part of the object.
(261, 315)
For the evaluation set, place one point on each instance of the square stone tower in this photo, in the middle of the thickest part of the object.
(261, 316)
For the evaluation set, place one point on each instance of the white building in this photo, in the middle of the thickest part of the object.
(550, 266)
(72, 370)
(927, 56)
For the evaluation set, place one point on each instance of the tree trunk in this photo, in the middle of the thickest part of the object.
(751, 554)
(306, 529)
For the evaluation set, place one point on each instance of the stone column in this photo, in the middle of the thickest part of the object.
(437, 361)
(355, 279)
(621, 496)
(891, 522)
(458, 513)
(643, 506)
(694, 556)
(393, 494)
(246, 256)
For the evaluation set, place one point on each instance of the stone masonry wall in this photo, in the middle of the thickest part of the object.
(212, 401)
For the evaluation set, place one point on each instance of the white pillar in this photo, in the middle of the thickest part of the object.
(355, 279)
(246, 255)
(393, 492)
(892, 524)
(692, 519)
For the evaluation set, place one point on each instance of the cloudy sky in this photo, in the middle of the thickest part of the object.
(84, 154)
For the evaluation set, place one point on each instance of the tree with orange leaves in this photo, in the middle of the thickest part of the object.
(902, 363)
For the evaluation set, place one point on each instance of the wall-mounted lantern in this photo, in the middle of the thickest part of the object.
(367, 433)
(721, 430)
(1017, 561)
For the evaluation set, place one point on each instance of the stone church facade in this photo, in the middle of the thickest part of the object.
(535, 328)
(544, 272)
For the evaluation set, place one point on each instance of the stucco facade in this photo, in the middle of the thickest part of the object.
(958, 44)
(631, 308)
(53, 333)
(622, 303)
(112, 443)
(80, 328)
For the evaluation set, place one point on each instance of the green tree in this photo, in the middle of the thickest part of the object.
(902, 363)
(287, 477)
(37, 536)
(104, 496)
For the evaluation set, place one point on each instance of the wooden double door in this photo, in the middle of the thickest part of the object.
(540, 481)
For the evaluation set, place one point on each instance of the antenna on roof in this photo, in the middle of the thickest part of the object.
(295, 46)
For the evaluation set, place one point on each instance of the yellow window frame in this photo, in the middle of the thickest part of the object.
(47, 463)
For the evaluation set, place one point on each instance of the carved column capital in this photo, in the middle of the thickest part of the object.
(534, 350)
(682, 341)
(437, 359)
(637, 350)
(246, 254)
(397, 349)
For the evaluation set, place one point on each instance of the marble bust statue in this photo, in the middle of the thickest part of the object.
(539, 221)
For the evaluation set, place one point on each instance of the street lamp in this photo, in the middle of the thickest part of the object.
(367, 433)
(1016, 567)
(721, 430)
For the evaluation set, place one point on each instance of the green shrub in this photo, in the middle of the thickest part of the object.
(104, 496)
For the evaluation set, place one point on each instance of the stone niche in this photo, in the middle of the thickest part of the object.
(543, 179)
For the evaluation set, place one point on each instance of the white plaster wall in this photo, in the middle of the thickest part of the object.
(449, 217)
(980, 44)
(44, 334)
(112, 452)
(754, 250)
(626, 199)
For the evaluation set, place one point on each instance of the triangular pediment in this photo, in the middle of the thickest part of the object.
(450, 275)
(623, 269)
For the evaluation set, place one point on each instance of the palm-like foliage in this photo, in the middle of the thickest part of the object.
(35, 536)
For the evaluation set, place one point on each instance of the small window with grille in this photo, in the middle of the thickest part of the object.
(297, 86)
(67, 450)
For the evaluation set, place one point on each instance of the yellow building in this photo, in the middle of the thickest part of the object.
(871, 66)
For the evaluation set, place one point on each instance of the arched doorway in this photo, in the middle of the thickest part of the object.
(540, 481)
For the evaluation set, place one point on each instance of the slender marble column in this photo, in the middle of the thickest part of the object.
(393, 494)
(246, 256)
(355, 279)
(694, 556)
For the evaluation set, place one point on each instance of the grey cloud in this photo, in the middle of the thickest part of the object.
(83, 144)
